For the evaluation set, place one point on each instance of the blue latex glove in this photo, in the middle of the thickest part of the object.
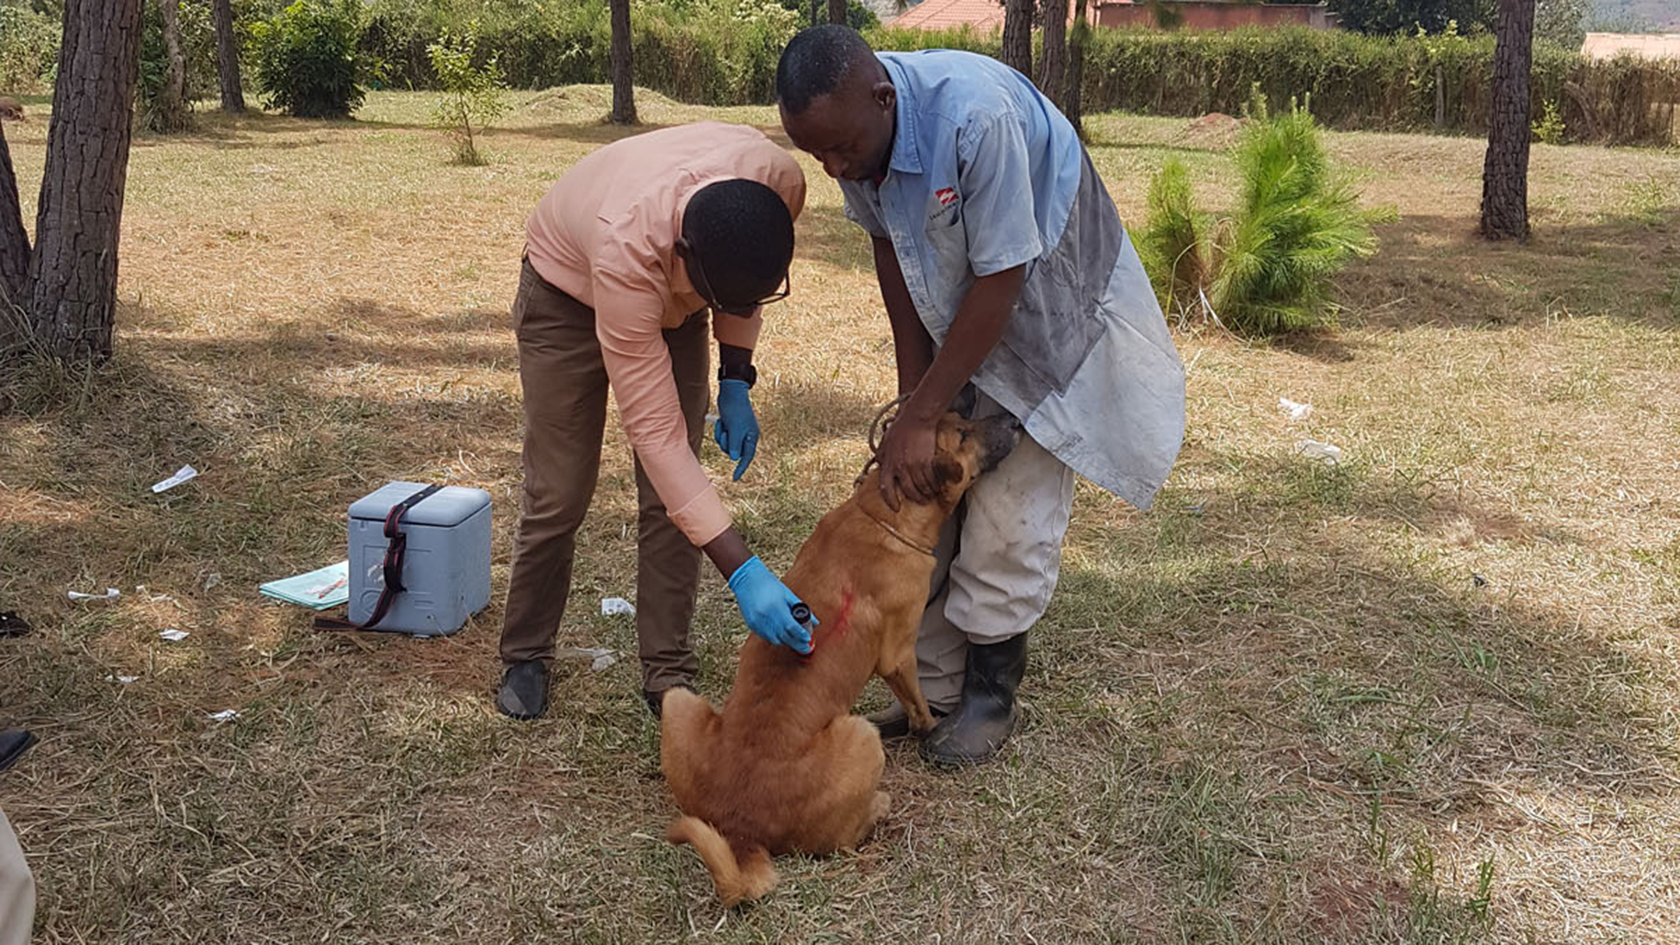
(736, 430)
(768, 605)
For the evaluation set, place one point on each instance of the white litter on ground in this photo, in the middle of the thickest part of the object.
(173, 635)
(111, 593)
(181, 475)
(599, 658)
(1323, 452)
(616, 605)
(1296, 411)
(226, 715)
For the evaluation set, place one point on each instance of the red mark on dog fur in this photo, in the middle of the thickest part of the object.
(832, 628)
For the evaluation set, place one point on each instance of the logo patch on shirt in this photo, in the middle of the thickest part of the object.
(946, 196)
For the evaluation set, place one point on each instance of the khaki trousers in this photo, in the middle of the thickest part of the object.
(996, 564)
(17, 889)
(565, 390)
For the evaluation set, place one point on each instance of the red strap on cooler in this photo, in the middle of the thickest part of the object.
(392, 566)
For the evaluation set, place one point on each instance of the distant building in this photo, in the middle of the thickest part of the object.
(987, 15)
(1646, 45)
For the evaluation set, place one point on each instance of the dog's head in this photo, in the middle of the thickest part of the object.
(963, 449)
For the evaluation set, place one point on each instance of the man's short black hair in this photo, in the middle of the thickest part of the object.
(815, 62)
(743, 235)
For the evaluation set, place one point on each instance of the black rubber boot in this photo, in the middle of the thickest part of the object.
(977, 730)
(524, 692)
(13, 743)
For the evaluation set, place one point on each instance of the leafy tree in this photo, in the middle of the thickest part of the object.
(473, 96)
(1386, 17)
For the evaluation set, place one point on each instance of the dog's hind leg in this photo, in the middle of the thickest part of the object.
(687, 726)
(858, 764)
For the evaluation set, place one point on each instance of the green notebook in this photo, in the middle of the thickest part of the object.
(318, 590)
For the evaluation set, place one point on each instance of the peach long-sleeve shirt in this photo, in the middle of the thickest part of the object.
(605, 234)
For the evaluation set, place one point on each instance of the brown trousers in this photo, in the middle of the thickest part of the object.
(565, 388)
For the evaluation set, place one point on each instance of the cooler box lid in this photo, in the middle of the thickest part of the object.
(446, 507)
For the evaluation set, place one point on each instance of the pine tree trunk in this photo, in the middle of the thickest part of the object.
(14, 244)
(73, 273)
(1017, 35)
(837, 12)
(1073, 102)
(1055, 14)
(624, 93)
(170, 112)
(1505, 171)
(227, 57)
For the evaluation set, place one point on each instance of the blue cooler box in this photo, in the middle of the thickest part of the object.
(446, 565)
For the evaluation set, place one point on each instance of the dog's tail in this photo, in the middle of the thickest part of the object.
(746, 876)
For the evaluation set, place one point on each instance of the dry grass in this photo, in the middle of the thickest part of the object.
(1290, 704)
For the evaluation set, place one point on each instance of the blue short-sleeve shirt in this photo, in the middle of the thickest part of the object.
(985, 175)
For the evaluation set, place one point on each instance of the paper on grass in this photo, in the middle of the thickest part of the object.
(616, 605)
(181, 475)
(599, 658)
(173, 635)
(1323, 452)
(226, 715)
(319, 589)
(1296, 411)
(111, 593)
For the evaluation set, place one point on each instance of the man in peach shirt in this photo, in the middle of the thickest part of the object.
(624, 258)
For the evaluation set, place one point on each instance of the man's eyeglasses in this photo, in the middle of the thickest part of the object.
(703, 286)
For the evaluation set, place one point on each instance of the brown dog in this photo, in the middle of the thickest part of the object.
(785, 767)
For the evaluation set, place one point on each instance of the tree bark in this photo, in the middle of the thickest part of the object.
(1055, 15)
(837, 12)
(227, 57)
(73, 272)
(624, 92)
(14, 244)
(1505, 170)
(170, 110)
(1017, 35)
(1073, 101)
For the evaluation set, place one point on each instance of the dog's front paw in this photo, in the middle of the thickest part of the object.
(922, 722)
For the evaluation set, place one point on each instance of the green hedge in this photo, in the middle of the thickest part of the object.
(1354, 81)
(723, 52)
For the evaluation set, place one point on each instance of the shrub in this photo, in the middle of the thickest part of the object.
(1269, 267)
(1549, 128)
(28, 51)
(472, 95)
(307, 60)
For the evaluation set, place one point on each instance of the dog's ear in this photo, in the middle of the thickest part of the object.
(947, 470)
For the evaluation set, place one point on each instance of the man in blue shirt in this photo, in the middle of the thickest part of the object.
(1011, 286)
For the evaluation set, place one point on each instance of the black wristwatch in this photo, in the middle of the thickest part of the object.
(738, 372)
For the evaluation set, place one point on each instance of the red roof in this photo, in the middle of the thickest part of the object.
(983, 15)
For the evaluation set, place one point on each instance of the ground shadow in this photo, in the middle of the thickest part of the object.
(1435, 269)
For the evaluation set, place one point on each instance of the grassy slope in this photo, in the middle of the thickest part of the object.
(1276, 708)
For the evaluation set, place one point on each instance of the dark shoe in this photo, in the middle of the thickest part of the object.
(13, 743)
(656, 699)
(977, 730)
(894, 722)
(524, 692)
